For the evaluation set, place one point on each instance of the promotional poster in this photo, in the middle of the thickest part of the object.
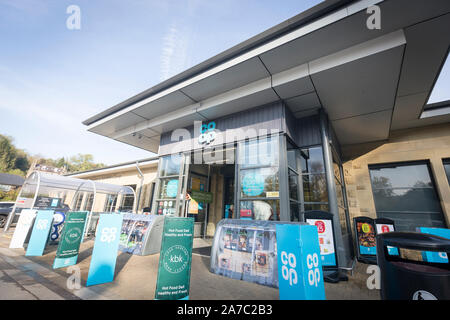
(175, 259)
(71, 237)
(133, 232)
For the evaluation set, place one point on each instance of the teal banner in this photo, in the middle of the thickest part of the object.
(40, 233)
(71, 237)
(175, 259)
(104, 255)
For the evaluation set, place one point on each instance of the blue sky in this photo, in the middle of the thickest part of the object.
(53, 78)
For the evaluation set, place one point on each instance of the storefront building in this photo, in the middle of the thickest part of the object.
(321, 112)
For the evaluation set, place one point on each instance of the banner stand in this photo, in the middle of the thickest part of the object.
(324, 222)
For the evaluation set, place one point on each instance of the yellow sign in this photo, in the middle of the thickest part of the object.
(365, 228)
(196, 184)
(273, 194)
(193, 207)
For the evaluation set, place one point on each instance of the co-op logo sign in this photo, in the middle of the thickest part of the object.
(207, 133)
(289, 273)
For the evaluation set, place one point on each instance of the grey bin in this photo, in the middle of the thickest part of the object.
(403, 279)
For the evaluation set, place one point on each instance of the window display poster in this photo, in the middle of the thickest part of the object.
(104, 255)
(247, 254)
(71, 237)
(172, 188)
(437, 257)
(166, 207)
(40, 233)
(382, 228)
(299, 265)
(175, 259)
(23, 228)
(133, 232)
(326, 240)
(253, 184)
(366, 238)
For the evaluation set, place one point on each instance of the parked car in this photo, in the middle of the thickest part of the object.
(5, 209)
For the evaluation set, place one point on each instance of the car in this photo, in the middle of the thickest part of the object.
(5, 209)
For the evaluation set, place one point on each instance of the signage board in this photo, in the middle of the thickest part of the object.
(47, 202)
(366, 236)
(40, 233)
(71, 237)
(202, 196)
(300, 275)
(383, 226)
(172, 188)
(23, 228)
(436, 257)
(175, 259)
(106, 245)
(326, 240)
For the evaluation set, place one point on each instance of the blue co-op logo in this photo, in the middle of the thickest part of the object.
(207, 133)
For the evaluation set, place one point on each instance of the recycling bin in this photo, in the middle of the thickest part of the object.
(404, 279)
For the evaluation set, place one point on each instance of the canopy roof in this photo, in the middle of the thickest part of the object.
(68, 183)
(369, 81)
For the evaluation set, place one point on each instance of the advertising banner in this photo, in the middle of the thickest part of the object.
(366, 238)
(40, 233)
(437, 257)
(383, 226)
(71, 237)
(175, 259)
(326, 240)
(104, 255)
(300, 274)
(47, 202)
(23, 228)
(134, 231)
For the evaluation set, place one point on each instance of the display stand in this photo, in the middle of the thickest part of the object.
(324, 222)
(141, 234)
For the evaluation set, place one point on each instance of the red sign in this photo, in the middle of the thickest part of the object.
(246, 213)
(320, 226)
(384, 228)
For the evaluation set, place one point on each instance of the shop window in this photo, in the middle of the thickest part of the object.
(78, 202)
(314, 184)
(259, 191)
(128, 200)
(110, 204)
(405, 193)
(446, 163)
(89, 202)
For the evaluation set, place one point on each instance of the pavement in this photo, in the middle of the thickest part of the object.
(33, 278)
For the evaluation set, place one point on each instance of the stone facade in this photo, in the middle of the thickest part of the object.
(430, 143)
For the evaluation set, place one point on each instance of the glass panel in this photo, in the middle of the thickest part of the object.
(260, 210)
(170, 165)
(89, 202)
(295, 211)
(447, 169)
(257, 182)
(408, 199)
(168, 188)
(316, 206)
(406, 194)
(292, 156)
(412, 176)
(293, 185)
(315, 188)
(312, 161)
(260, 152)
(339, 194)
